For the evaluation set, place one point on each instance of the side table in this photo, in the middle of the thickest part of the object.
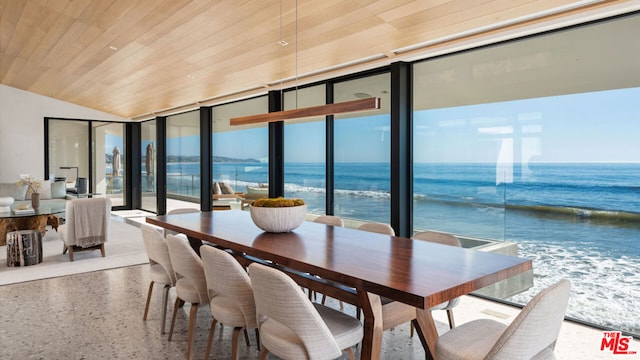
(24, 248)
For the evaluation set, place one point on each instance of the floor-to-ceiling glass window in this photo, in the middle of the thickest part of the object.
(68, 150)
(90, 156)
(535, 143)
(362, 152)
(304, 150)
(183, 156)
(109, 161)
(240, 153)
(148, 146)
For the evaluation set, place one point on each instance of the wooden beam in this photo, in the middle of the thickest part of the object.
(321, 110)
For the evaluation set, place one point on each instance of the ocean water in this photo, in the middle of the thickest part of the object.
(575, 221)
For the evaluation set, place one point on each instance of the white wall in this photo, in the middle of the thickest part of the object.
(22, 129)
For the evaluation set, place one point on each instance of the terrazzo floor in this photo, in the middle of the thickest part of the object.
(98, 315)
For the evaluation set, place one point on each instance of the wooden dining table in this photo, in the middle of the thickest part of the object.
(365, 266)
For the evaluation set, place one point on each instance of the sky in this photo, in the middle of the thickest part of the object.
(111, 141)
(589, 127)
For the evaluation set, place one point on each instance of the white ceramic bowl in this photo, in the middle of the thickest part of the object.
(278, 219)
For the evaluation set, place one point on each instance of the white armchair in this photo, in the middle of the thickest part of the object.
(87, 225)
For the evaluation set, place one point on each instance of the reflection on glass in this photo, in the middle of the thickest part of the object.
(569, 206)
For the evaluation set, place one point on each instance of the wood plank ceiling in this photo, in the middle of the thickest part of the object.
(137, 58)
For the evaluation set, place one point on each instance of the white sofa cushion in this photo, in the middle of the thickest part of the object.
(58, 190)
(13, 190)
(50, 190)
(44, 190)
(255, 190)
(216, 189)
(226, 189)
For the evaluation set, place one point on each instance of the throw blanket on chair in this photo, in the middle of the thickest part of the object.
(90, 221)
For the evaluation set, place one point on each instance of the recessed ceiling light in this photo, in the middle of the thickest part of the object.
(113, 48)
(191, 76)
(283, 43)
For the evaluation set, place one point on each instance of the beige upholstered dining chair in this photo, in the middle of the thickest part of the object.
(437, 237)
(444, 239)
(329, 220)
(531, 335)
(333, 221)
(179, 211)
(394, 313)
(87, 225)
(160, 268)
(291, 326)
(191, 285)
(371, 227)
(230, 296)
(183, 211)
(377, 228)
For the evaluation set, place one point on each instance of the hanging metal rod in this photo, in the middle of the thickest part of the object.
(321, 110)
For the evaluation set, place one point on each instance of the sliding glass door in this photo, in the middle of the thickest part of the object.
(362, 148)
(90, 156)
(148, 167)
(68, 150)
(304, 150)
(240, 153)
(109, 161)
(183, 157)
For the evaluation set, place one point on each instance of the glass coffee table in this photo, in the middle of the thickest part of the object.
(33, 220)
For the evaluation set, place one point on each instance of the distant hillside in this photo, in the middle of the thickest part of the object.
(196, 159)
(192, 159)
(223, 159)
